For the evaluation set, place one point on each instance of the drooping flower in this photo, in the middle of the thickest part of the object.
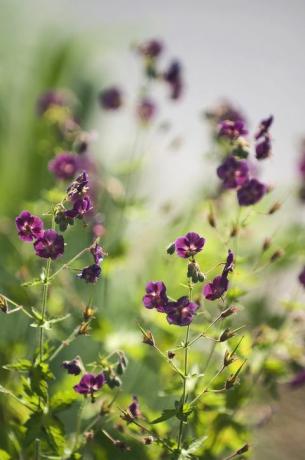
(29, 227)
(174, 78)
(216, 288)
(134, 408)
(233, 172)
(49, 245)
(90, 383)
(181, 312)
(91, 273)
(98, 253)
(64, 166)
(73, 367)
(264, 127)
(146, 110)
(251, 192)
(302, 277)
(79, 187)
(151, 48)
(189, 245)
(51, 98)
(155, 296)
(232, 129)
(111, 98)
(263, 148)
(80, 207)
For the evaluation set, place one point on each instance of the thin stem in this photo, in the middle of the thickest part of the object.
(78, 425)
(206, 389)
(169, 361)
(152, 433)
(66, 265)
(18, 306)
(44, 305)
(183, 398)
(37, 449)
(65, 343)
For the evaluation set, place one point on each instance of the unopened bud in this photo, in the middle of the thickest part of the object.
(276, 255)
(234, 231)
(211, 219)
(226, 335)
(84, 329)
(122, 364)
(3, 304)
(228, 358)
(88, 313)
(193, 272)
(148, 338)
(171, 354)
(89, 435)
(228, 312)
(275, 207)
(148, 440)
(243, 449)
(266, 244)
(170, 249)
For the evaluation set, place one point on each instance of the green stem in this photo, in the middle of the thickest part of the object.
(67, 264)
(37, 449)
(78, 425)
(44, 305)
(18, 306)
(183, 398)
(65, 343)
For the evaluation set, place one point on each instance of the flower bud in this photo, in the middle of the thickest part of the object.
(84, 329)
(226, 335)
(276, 255)
(122, 364)
(228, 359)
(266, 244)
(228, 312)
(275, 207)
(148, 338)
(171, 354)
(148, 440)
(89, 435)
(211, 218)
(88, 313)
(3, 304)
(234, 231)
(171, 249)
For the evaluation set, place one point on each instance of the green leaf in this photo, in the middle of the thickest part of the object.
(166, 415)
(195, 445)
(62, 400)
(55, 434)
(22, 365)
(4, 455)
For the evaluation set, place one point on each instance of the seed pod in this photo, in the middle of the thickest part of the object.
(88, 313)
(148, 338)
(171, 354)
(211, 218)
(276, 255)
(84, 329)
(3, 304)
(170, 249)
(275, 207)
(266, 244)
(228, 312)
(226, 335)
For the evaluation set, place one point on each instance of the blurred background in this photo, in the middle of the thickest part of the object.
(250, 53)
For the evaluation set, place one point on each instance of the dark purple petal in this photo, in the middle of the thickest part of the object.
(151, 49)
(232, 129)
(251, 192)
(216, 288)
(233, 172)
(263, 148)
(264, 127)
(173, 77)
(51, 98)
(99, 381)
(302, 277)
(298, 380)
(91, 273)
(181, 312)
(29, 227)
(155, 295)
(146, 110)
(79, 187)
(189, 245)
(110, 98)
(98, 253)
(73, 367)
(50, 245)
(134, 408)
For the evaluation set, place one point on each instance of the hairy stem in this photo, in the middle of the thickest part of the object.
(44, 305)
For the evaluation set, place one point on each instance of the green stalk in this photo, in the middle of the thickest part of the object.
(44, 306)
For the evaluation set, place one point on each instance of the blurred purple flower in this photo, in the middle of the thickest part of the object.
(73, 367)
(155, 296)
(189, 245)
(134, 408)
(229, 265)
(251, 192)
(233, 172)
(232, 129)
(49, 245)
(181, 312)
(173, 77)
(302, 165)
(79, 187)
(90, 383)
(264, 127)
(29, 227)
(98, 253)
(298, 380)
(64, 166)
(263, 148)
(151, 48)
(51, 98)
(302, 277)
(91, 273)
(146, 110)
(111, 98)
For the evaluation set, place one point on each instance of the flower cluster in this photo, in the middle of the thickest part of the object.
(92, 273)
(234, 171)
(47, 243)
(179, 312)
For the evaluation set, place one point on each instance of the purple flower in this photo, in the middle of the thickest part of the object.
(251, 192)
(91, 273)
(173, 77)
(80, 207)
(90, 383)
(49, 245)
(64, 165)
(181, 312)
(49, 99)
(225, 111)
(151, 48)
(29, 227)
(79, 187)
(229, 263)
(233, 172)
(155, 296)
(134, 408)
(73, 367)
(146, 110)
(111, 98)
(302, 165)
(302, 277)
(264, 127)
(232, 129)
(298, 380)
(263, 148)
(189, 245)
(216, 288)
(98, 253)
